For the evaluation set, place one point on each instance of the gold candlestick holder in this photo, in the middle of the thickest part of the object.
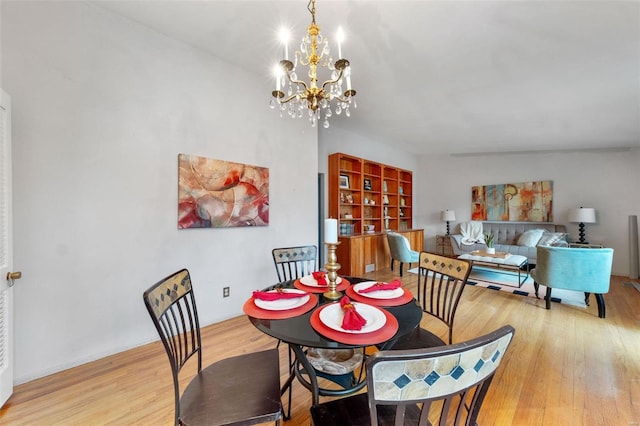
(332, 267)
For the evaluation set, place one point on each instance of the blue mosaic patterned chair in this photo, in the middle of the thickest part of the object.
(241, 390)
(295, 262)
(441, 385)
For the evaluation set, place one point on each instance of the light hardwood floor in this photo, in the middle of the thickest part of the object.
(565, 366)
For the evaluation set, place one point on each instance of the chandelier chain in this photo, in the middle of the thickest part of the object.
(311, 7)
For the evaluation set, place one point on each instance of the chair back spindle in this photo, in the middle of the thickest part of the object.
(441, 281)
(295, 262)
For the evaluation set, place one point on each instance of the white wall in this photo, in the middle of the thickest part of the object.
(101, 109)
(606, 181)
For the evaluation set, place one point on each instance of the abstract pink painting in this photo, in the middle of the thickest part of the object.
(221, 194)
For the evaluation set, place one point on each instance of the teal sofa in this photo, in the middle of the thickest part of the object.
(581, 269)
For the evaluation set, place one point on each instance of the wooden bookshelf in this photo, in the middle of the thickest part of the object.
(377, 195)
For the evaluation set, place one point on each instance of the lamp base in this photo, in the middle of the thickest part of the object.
(581, 233)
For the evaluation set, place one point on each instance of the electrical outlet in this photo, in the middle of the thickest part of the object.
(225, 291)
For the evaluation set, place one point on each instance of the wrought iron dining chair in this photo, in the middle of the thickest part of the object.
(441, 281)
(336, 365)
(419, 387)
(240, 390)
(295, 262)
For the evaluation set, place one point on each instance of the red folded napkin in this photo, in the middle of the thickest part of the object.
(276, 295)
(320, 277)
(382, 286)
(352, 320)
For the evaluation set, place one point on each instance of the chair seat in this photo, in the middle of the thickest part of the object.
(218, 394)
(418, 338)
(335, 361)
(354, 411)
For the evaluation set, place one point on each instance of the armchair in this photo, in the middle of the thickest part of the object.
(579, 269)
(400, 250)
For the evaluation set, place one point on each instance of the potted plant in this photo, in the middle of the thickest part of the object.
(488, 239)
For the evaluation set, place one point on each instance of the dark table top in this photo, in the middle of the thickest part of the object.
(298, 330)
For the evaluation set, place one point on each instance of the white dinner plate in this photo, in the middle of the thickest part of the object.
(332, 316)
(380, 294)
(283, 304)
(311, 282)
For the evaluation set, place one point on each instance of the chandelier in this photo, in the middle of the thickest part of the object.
(317, 100)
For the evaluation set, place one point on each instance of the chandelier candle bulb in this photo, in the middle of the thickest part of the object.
(331, 231)
(340, 37)
(284, 37)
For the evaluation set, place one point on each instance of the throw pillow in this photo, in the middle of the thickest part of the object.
(551, 238)
(530, 238)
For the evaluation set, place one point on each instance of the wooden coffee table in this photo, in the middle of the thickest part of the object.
(501, 261)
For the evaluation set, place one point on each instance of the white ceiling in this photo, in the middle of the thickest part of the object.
(446, 76)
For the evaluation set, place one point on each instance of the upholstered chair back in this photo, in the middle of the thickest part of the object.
(400, 248)
(581, 269)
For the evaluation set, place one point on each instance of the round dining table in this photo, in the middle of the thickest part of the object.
(298, 332)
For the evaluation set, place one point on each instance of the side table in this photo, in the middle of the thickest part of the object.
(586, 245)
(443, 245)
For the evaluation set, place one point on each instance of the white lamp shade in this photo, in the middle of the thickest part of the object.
(447, 215)
(582, 215)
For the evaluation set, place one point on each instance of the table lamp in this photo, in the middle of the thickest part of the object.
(446, 216)
(581, 216)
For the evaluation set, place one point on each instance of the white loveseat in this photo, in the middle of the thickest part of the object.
(509, 238)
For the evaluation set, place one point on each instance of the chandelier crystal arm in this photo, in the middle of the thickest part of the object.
(341, 65)
(339, 68)
(346, 99)
(300, 82)
(290, 98)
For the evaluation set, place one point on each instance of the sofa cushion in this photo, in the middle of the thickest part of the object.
(551, 238)
(530, 238)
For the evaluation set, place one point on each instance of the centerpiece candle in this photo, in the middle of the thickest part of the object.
(331, 231)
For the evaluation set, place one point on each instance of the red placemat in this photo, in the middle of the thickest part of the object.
(344, 284)
(254, 311)
(405, 298)
(387, 331)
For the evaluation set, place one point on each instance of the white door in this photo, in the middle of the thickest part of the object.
(7, 275)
